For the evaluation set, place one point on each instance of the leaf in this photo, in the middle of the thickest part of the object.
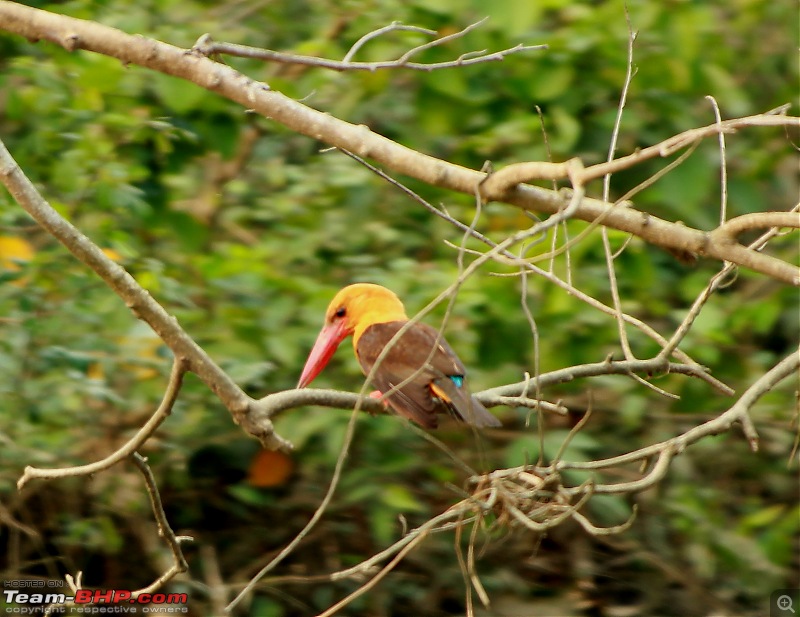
(178, 95)
(14, 251)
(269, 468)
(399, 497)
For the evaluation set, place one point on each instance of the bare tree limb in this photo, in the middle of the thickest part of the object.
(511, 394)
(73, 34)
(650, 367)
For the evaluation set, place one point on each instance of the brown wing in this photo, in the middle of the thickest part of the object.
(428, 388)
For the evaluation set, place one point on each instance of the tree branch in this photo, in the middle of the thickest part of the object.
(206, 46)
(392, 27)
(179, 564)
(73, 34)
(510, 394)
(650, 367)
(666, 450)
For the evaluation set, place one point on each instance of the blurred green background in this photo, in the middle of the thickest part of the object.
(245, 230)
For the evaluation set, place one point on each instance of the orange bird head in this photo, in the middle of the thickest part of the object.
(352, 310)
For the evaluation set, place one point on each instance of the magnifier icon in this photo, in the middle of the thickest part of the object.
(785, 604)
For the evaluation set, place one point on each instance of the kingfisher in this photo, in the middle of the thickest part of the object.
(419, 377)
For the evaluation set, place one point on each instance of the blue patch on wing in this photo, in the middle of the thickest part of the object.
(458, 380)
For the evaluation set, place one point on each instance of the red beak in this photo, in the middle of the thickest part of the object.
(327, 341)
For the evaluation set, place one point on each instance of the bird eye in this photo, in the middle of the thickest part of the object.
(340, 312)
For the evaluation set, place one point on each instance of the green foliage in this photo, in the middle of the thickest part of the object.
(248, 261)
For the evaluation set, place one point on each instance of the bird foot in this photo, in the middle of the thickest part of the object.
(377, 394)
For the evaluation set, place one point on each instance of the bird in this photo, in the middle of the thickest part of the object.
(419, 377)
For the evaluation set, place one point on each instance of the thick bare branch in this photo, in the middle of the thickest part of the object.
(500, 181)
(511, 394)
(73, 34)
(274, 403)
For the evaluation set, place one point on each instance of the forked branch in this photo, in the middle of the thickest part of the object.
(206, 46)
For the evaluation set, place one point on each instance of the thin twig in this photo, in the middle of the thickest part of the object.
(374, 580)
(165, 531)
(315, 518)
(723, 163)
(472, 569)
(593, 530)
(392, 27)
(612, 148)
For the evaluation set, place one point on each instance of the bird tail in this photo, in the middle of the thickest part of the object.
(463, 405)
